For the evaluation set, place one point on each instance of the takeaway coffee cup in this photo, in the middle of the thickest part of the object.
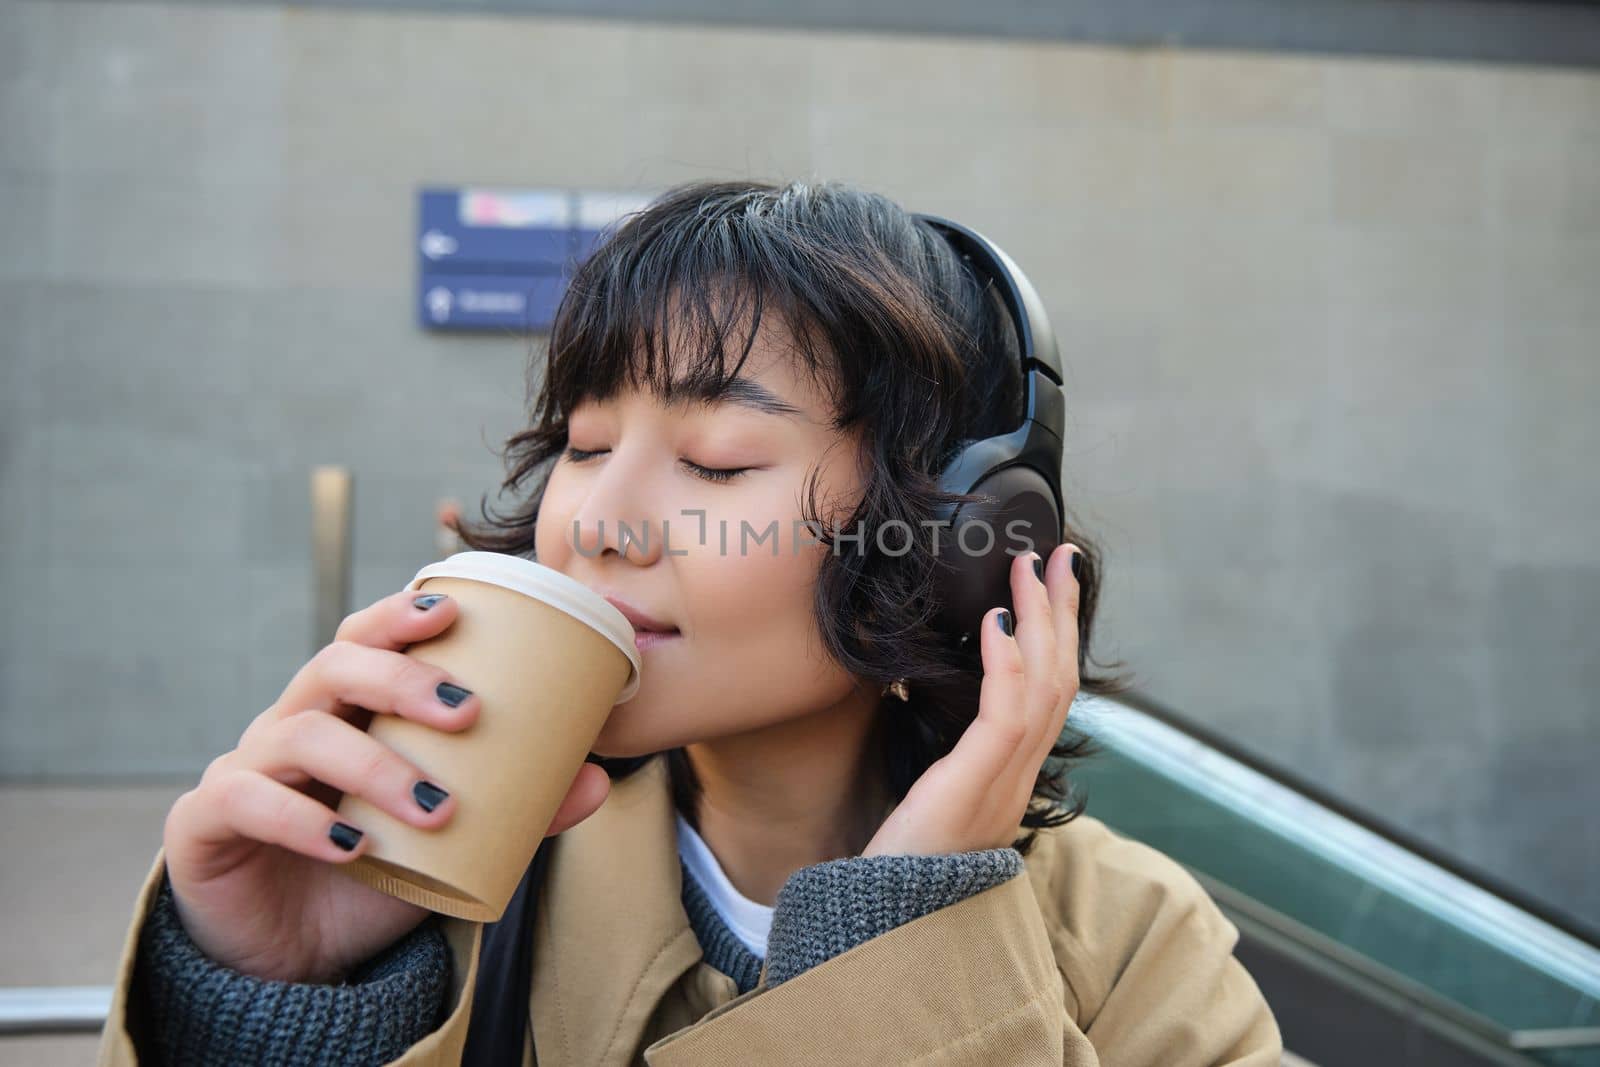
(548, 658)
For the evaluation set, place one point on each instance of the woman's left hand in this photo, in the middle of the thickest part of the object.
(974, 797)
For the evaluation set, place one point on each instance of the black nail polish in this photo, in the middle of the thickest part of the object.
(1038, 567)
(1005, 622)
(1077, 563)
(423, 603)
(427, 795)
(344, 835)
(452, 694)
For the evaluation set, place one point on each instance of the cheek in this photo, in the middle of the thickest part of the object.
(752, 581)
(753, 658)
(552, 532)
(750, 596)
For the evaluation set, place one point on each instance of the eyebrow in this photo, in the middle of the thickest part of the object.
(744, 393)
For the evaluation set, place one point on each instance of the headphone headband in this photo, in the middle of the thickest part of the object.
(1018, 472)
(1034, 336)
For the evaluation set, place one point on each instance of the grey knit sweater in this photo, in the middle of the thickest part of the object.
(201, 1013)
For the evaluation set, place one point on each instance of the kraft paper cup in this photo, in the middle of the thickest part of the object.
(549, 658)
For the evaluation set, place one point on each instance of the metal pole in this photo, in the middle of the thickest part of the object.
(53, 1009)
(331, 493)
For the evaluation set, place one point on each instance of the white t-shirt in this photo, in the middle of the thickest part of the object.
(748, 920)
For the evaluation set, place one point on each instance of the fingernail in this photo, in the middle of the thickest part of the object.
(344, 835)
(1038, 567)
(427, 795)
(452, 694)
(1077, 563)
(423, 603)
(1005, 622)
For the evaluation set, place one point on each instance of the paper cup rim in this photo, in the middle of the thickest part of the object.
(550, 586)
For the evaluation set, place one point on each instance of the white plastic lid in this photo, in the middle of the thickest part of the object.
(550, 586)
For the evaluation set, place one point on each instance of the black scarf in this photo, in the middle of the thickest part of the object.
(499, 1024)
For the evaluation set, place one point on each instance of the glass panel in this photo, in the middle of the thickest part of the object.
(1220, 818)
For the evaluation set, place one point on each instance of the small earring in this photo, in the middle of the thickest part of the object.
(898, 688)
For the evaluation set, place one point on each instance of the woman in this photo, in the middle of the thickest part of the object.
(823, 830)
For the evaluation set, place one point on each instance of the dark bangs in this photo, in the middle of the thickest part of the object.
(914, 355)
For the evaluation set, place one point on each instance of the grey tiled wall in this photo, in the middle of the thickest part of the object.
(1330, 325)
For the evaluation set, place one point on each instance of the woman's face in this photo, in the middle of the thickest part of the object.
(736, 581)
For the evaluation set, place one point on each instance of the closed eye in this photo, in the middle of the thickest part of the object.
(710, 474)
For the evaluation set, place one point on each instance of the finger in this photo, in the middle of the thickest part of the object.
(1036, 637)
(991, 741)
(345, 675)
(589, 790)
(399, 619)
(244, 803)
(1053, 675)
(1065, 591)
(332, 751)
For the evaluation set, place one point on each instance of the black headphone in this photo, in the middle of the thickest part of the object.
(1018, 472)
(1020, 475)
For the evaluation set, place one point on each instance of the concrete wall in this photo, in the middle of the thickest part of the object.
(1330, 326)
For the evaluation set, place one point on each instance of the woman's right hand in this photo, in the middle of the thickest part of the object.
(249, 850)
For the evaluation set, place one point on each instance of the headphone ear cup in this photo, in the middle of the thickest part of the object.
(975, 552)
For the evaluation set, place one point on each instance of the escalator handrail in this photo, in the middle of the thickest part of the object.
(1519, 898)
(1354, 969)
(1280, 811)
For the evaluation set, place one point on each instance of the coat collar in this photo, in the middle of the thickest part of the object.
(612, 935)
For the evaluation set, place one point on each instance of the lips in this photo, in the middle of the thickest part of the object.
(639, 619)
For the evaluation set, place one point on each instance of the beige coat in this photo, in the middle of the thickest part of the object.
(1103, 951)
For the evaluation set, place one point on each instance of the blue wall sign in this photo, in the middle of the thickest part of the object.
(499, 259)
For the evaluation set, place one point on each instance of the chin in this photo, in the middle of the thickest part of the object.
(625, 735)
(606, 750)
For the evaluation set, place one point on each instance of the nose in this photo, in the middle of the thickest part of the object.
(618, 516)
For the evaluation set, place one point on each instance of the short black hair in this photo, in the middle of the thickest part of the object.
(913, 351)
